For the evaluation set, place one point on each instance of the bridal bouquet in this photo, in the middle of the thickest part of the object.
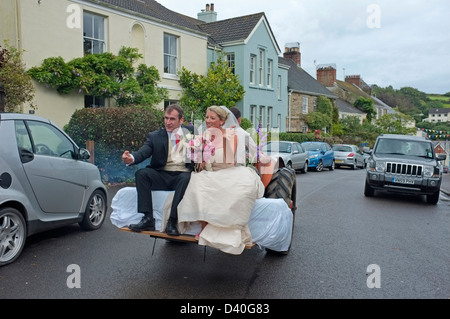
(201, 150)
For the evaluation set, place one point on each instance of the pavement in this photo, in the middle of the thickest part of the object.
(445, 184)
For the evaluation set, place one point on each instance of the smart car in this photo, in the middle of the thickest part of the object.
(45, 182)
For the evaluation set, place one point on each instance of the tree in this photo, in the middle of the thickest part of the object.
(219, 87)
(17, 84)
(366, 105)
(104, 75)
(396, 123)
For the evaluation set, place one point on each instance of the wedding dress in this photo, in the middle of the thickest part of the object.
(224, 198)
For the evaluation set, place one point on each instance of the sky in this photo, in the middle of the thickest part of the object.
(398, 43)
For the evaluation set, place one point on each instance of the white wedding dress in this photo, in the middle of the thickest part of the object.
(224, 198)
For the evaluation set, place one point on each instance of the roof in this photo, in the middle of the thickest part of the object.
(344, 106)
(404, 137)
(300, 81)
(235, 29)
(152, 9)
(439, 111)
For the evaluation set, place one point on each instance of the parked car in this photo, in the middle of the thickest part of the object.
(348, 155)
(292, 153)
(46, 182)
(404, 164)
(445, 169)
(320, 155)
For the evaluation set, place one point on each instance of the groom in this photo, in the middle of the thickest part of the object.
(168, 169)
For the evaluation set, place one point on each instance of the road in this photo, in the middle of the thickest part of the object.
(340, 235)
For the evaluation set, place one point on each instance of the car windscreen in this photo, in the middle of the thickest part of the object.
(404, 147)
(342, 148)
(278, 147)
(315, 147)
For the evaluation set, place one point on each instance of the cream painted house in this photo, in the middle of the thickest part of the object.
(72, 28)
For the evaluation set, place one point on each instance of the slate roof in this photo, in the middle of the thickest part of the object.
(300, 81)
(344, 106)
(152, 9)
(439, 111)
(233, 29)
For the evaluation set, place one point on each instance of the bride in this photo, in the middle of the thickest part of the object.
(223, 195)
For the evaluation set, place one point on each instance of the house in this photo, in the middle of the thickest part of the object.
(252, 52)
(438, 115)
(73, 28)
(303, 90)
(346, 110)
(351, 89)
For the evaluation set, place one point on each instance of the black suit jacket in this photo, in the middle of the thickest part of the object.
(156, 148)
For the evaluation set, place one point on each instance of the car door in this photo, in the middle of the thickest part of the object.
(358, 155)
(328, 155)
(296, 157)
(58, 181)
(303, 155)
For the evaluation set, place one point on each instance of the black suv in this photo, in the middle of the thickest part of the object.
(404, 164)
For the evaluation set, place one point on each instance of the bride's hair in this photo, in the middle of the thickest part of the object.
(223, 114)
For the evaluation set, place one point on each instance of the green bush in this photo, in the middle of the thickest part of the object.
(113, 131)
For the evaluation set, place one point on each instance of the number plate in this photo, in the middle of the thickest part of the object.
(338, 161)
(402, 180)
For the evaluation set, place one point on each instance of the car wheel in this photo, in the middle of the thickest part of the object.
(368, 190)
(95, 212)
(13, 232)
(433, 199)
(289, 165)
(305, 168)
(319, 166)
(331, 168)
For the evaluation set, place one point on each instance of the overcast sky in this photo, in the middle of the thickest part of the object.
(388, 42)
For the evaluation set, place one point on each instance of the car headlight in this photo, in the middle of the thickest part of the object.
(428, 171)
(314, 156)
(380, 166)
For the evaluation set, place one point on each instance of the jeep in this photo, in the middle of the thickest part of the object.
(404, 164)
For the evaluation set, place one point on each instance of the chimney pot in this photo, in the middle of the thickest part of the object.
(207, 7)
(212, 6)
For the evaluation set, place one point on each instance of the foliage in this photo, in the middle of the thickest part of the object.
(396, 123)
(219, 87)
(104, 75)
(366, 105)
(246, 123)
(16, 83)
(114, 130)
(318, 121)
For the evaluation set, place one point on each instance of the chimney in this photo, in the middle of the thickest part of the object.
(326, 74)
(208, 14)
(354, 79)
(292, 52)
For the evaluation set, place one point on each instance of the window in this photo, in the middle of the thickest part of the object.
(315, 105)
(261, 115)
(269, 117)
(305, 129)
(279, 87)
(93, 33)
(94, 101)
(231, 62)
(269, 73)
(305, 105)
(170, 54)
(252, 69)
(261, 67)
(253, 115)
(169, 102)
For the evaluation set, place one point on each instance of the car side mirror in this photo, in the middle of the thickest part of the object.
(84, 154)
(441, 157)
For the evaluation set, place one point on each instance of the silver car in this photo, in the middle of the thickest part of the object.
(348, 155)
(292, 153)
(45, 182)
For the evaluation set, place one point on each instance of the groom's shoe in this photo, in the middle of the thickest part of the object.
(146, 223)
(171, 228)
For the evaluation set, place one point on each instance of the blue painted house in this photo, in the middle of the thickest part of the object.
(252, 51)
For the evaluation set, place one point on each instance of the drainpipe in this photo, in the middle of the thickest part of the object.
(289, 106)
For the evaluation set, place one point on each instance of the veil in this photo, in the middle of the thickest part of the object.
(231, 121)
